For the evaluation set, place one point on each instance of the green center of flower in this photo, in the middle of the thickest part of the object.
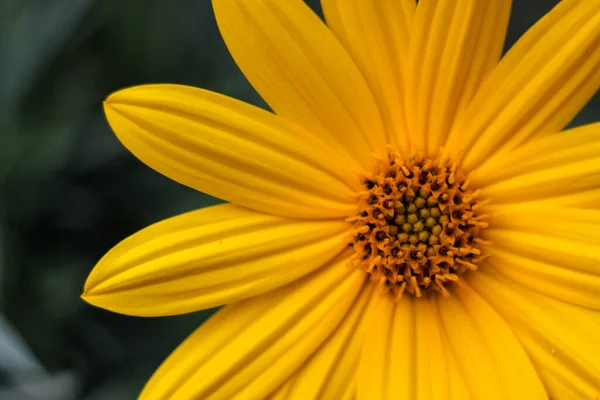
(418, 227)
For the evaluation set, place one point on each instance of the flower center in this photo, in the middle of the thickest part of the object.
(418, 226)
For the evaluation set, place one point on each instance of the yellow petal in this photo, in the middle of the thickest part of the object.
(283, 391)
(585, 199)
(562, 222)
(539, 86)
(376, 34)
(302, 71)
(561, 339)
(403, 357)
(456, 382)
(430, 370)
(545, 248)
(387, 363)
(576, 177)
(538, 259)
(330, 372)
(209, 257)
(491, 360)
(552, 169)
(454, 45)
(231, 150)
(251, 347)
(562, 382)
(540, 154)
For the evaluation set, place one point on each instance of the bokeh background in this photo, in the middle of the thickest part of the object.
(69, 191)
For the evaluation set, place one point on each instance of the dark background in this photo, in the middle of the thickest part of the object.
(70, 191)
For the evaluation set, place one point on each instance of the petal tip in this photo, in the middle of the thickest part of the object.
(88, 290)
(122, 95)
(110, 103)
(112, 98)
(88, 297)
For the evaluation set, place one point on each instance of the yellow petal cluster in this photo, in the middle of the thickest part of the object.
(377, 77)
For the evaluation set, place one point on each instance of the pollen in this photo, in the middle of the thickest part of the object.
(419, 226)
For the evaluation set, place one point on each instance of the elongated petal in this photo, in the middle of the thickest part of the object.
(429, 353)
(375, 369)
(479, 337)
(454, 45)
(553, 182)
(231, 150)
(456, 382)
(282, 392)
(541, 154)
(554, 169)
(552, 279)
(209, 257)
(249, 348)
(580, 256)
(403, 356)
(376, 34)
(301, 70)
(549, 249)
(560, 222)
(330, 372)
(538, 87)
(561, 339)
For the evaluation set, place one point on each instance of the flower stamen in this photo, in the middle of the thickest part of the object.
(418, 226)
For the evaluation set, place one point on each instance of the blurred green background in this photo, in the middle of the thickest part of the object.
(70, 191)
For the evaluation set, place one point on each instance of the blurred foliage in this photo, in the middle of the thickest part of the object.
(70, 191)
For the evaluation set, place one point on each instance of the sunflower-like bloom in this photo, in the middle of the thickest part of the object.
(409, 223)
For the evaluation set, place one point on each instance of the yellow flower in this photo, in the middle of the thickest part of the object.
(409, 223)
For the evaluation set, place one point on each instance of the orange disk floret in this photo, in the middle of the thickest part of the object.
(418, 226)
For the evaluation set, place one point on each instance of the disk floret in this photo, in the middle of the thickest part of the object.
(418, 227)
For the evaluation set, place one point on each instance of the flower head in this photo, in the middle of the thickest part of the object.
(409, 222)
